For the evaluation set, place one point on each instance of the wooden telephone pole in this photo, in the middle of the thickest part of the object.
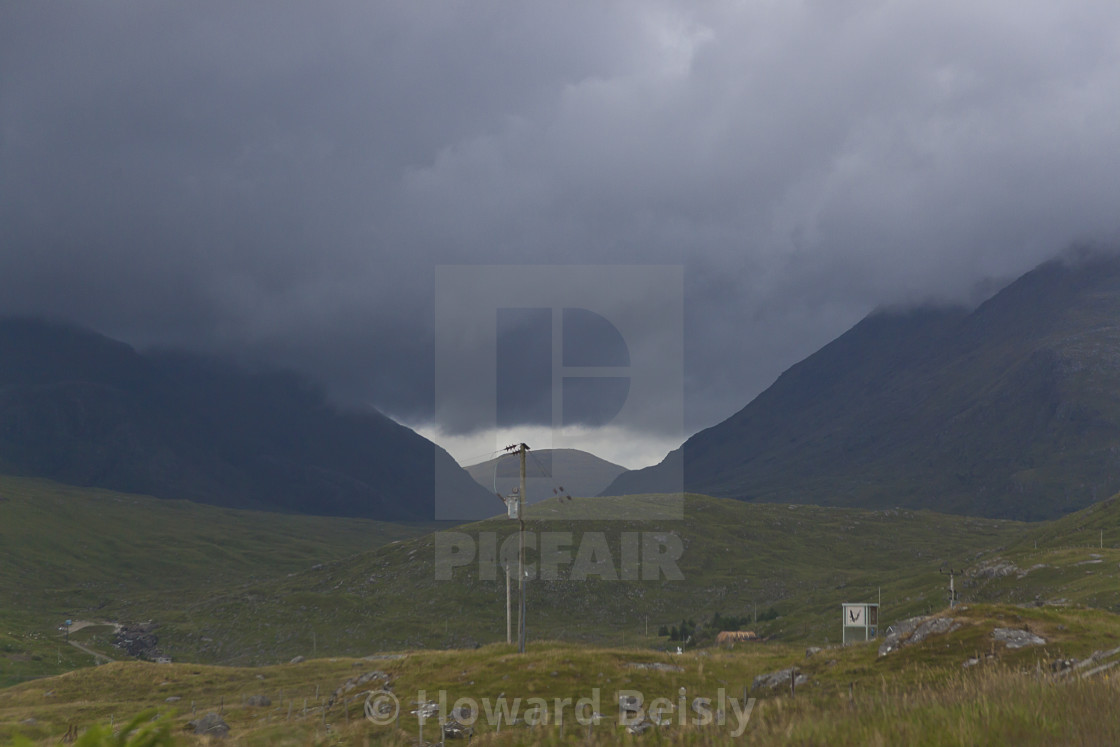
(952, 590)
(521, 449)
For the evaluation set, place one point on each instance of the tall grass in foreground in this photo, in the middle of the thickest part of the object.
(994, 707)
(144, 730)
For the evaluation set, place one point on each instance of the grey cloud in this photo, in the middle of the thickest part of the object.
(281, 179)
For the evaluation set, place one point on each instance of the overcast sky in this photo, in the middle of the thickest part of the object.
(282, 179)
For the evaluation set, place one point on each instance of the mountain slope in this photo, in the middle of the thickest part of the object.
(82, 409)
(84, 553)
(578, 472)
(1011, 410)
(737, 558)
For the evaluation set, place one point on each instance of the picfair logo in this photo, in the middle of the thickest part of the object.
(571, 348)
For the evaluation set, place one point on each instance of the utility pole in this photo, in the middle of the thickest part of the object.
(509, 617)
(952, 589)
(521, 555)
(521, 449)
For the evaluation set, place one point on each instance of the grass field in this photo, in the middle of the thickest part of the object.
(249, 591)
(738, 558)
(75, 553)
(918, 695)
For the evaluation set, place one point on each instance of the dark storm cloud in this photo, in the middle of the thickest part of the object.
(281, 179)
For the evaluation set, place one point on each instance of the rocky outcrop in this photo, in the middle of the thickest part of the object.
(780, 678)
(138, 640)
(915, 630)
(210, 725)
(1014, 638)
(356, 682)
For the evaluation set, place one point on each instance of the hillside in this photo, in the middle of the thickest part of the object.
(79, 408)
(740, 559)
(578, 472)
(234, 587)
(919, 694)
(795, 563)
(1011, 410)
(81, 553)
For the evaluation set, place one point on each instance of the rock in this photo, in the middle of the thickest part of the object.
(210, 725)
(383, 657)
(456, 730)
(173, 699)
(138, 640)
(297, 660)
(971, 662)
(812, 650)
(463, 715)
(1014, 638)
(629, 703)
(997, 568)
(779, 679)
(258, 701)
(655, 666)
(460, 723)
(640, 728)
(355, 682)
(1061, 665)
(915, 630)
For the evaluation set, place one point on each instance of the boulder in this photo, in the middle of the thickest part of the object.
(915, 630)
(640, 728)
(210, 725)
(355, 682)
(1014, 638)
(258, 701)
(779, 679)
(629, 704)
(656, 666)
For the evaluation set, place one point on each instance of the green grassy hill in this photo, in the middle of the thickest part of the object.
(244, 588)
(79, 553)
(1071, 561)
(920, 694)
(739, 559)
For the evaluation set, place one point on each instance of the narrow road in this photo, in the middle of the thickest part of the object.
(77, 625)
(97, 658)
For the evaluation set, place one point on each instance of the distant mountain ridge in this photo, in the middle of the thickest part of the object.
(1010, 410)
(82, 409)
(579, 473)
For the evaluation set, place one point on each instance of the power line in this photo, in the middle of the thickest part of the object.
(557, 489)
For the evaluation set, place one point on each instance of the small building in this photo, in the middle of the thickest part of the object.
(859, 617)
(731, 637)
